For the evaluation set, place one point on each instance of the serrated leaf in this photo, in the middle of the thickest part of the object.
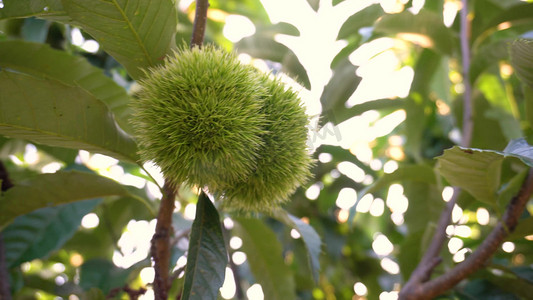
(48, 9)
(34, 59)
(522, 60)
(310, 237)
(136, 33)
(47, 190)
(476, 171)
(104, 275)
(263, 252)
(363, 18)
(38, 233)
(425, 28)
(207, 256)
(49, 112)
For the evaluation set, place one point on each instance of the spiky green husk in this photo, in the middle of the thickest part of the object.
(199, 117)
(284, 162)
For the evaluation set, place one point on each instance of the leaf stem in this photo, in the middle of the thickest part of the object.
(160, 250)
(5, 293)
(200, 22)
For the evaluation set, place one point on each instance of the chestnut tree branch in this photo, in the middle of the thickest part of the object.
(160, 249)
(200, 22)
(476, 260)
(431, 257)
(161, 240)
(5, 293)
(468, 125)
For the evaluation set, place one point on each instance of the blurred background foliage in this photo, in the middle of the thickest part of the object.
(382, 81)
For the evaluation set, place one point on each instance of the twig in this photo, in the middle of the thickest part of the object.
(160, 249)
(200, 22)
(478, 258)
(5, 293)
(431, 257)
(161, 240)
(467, 94)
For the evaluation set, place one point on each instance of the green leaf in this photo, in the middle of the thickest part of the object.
(341, 114)
(137, 33)
(425, 28)
(476, 171)
(40, 232)
(49, 112)
(34, 59)
(363, 18)
(487, 56)
(528, 99)
(49, 9)
(420, 173)
(104, 275)
(522, 60)
(47, 190)
(520, 149)
(425, 206)
(510, 189)
(93, 294)
(524, 228)
(509, 282)
(310, 237)
(35, 30)
(263, 252)
(516, 14)
(207, 258)
(341, 86)
(262, 45)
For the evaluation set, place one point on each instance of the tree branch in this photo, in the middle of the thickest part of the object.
(476, 260)
(468, 125)
(200, 21)
(5, 293)
(431, 258)
(160, 249)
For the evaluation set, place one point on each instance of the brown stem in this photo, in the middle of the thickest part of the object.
(161, 242)
(5, 293)
(200, 21)
(431, 257)
(161, 239)
(476, 260)
(467, 94)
